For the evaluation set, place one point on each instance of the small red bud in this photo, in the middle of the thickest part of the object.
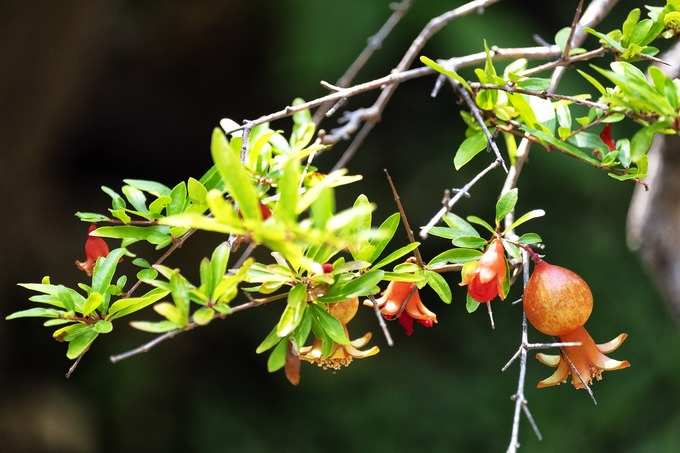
(327, 268)
(606, 136)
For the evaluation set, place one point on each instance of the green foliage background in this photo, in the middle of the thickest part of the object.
(144, 108)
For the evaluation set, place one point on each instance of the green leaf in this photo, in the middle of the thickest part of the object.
(473, 242)
(561, 37)
(152, 187)
(80, 343)
(331, 326)
(459, 225)
(530, 238)
(199, 222)
(91, 217)
(153, 234)
(386, 232)
(218, 265)
(360, 286)
(439, 285)
(37, 312)
(136, 198)
(457, 256)
(126, 306)
(154, 327)
(197, 191)
(449, 73)
(323, 207)
(277, 359)
(470, 147)
(470, 304)
(103, 326)
(526, 217)
(396, 255)
(178, 199)
(271, 340)
(93, 302)
(476, 220)
(117, 202)
(236, 179)
(292, 314)
(288, 190)
(104, 270)
(203, 316)
(506, 204)
(641, 142)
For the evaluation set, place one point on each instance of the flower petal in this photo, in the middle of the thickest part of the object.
(362, 341)
(358, 354)
(551, 360)
(558, 377)
(612, 345)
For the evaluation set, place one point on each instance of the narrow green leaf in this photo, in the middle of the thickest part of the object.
(80, 343)
(292, 314)
(439, 285)
(203, 316)
(153, 327)
(470, 147)
(473, 242)
(288, 190)
(360, 286)
(37, 312)
(104, 270)
(470, 304)
(331, 326)
(152, 187)
(481, 222)
(93, 302)
(528, 216)
(236, 179)
(271, 340)
(530, 238)
(396, 255)
(456, 256)
(277, 358)
(103, 326)
(506, 204)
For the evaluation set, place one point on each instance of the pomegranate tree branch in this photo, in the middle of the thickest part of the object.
(596, 11)
(146, 347)
(373, 114)
(375, 42)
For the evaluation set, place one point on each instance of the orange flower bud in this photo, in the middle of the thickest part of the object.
(485, 278)
(393, 299)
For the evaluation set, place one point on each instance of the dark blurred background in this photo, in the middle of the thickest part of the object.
(92, 92)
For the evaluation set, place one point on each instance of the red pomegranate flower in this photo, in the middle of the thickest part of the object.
(558, 302)
(485, 278)
(392, 302)
(95, 247)
(606, 136)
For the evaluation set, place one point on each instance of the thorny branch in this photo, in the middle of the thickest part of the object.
(375, 42)
(368, 117)
(146, 347)
(595, 12)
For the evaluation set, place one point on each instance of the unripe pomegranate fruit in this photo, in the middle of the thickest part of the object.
(557, 300)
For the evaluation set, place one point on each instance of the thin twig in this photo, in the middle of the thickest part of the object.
(488, 309)
(540, 94)
(595, 12)
(381, 322)
(177, 243)
(75, 364)
(424, 231)
(374, 43)
(146, 347)
(404, 219)
(397, 77)
(472, 105)
(520, 400)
